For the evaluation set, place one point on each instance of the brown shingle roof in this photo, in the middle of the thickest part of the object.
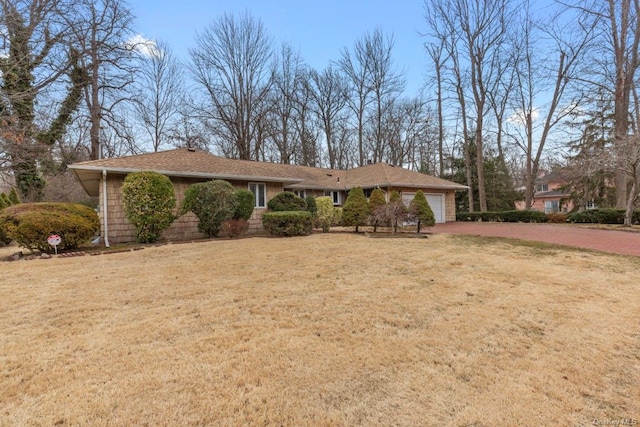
(186, 163)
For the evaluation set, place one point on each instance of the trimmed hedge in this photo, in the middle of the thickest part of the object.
(602, 216)
(292, 223)
(30, 224)
(505, 216)
(287, 201)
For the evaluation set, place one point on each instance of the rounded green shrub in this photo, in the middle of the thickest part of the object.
(288, 223)
(287, 201)
(30, 224)
(213, 202)
(149, 202)
(245, 202)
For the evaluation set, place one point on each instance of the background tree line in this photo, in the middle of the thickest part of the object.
(510, 90)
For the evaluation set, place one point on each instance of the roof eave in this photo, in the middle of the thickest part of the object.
(189, 174)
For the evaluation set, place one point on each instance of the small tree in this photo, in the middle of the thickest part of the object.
(149, 202)
(355, 211)
(377, 202)
(421, 211)
(325, 212)
(287, 201)
(213, 202)
(396, 211)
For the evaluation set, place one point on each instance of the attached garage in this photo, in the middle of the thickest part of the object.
(436, 201)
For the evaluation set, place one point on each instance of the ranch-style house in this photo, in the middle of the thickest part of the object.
(104, 178)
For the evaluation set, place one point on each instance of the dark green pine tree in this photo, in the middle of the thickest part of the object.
(421, 211)
(355, 211)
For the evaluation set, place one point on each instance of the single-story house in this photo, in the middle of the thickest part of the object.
(104, 178)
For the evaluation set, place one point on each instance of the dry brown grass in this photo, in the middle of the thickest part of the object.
(322, 330)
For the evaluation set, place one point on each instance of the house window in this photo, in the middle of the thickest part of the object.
(300, 193)
(335, 196)
(591, 204)
(551, 206)
(367, 192)
(260, 192)
(542, 187)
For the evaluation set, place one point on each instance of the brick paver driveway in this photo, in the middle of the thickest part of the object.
(620, 242)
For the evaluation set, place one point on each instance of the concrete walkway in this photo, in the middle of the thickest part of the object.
(614, 241)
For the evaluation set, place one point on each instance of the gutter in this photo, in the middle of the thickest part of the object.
(105, 217)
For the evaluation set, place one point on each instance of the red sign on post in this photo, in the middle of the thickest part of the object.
(54, 240)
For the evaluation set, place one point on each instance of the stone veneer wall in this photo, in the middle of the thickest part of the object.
(183, 228)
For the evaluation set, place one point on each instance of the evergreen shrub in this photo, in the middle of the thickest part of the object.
(245, 202)
(420, 211)
(325, 213)
(602, 216)
(149, 202)
(288, 223)
(213, 202)
(504, 216)
(30, 224)
(355, 211)
(311, 205)
(287, 201)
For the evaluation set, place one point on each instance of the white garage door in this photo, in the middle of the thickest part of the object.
(436, 201)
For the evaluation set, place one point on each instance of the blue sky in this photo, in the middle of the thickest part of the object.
(317, 29)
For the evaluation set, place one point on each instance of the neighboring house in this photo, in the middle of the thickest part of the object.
(549, 196)
(104, 179)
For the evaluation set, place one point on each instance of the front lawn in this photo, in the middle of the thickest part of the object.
(335, 329)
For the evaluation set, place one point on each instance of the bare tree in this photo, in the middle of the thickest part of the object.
(622, 20)
(357, 66)
(550, 72)
(374, 84)
(160, 91)
(35, 63)
(438, 55)
(103, 32)
(282, 111)
(386, 85)
(233, 64)
(305, 123)
(330, 99)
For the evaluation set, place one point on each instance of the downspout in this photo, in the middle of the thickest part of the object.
(105, 217)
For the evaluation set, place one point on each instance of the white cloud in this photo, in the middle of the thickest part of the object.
(143, 45)
(519, 118)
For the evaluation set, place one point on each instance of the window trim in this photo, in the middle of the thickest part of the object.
(300, 193)
(542, 188)
(256, 194)
(335, 195)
